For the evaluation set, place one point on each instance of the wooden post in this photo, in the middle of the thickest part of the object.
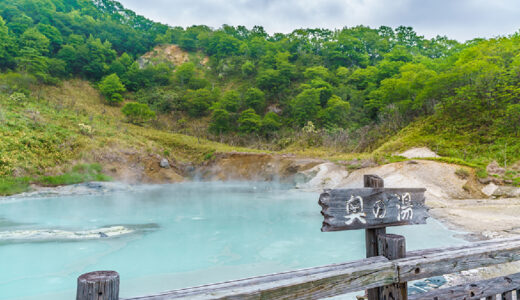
(99, 285)
(371, 241)
(393, 246)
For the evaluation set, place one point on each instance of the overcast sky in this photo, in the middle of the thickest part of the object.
(458, 19)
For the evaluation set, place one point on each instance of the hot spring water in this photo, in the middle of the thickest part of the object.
(172, 236)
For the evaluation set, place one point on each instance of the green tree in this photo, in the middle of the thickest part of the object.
(111, 87)
(305, 106)
(270, 123)
(69, 55)
(230, 101)
(248, 68)
(138, 113)
(249, 121)
(512, 119)
(318, 72)
(335, 114)
(221, 121)
(53, 35)
(255, 99)
(31, 61)
(272, 81)
(34, 39)
(198, 102)
(6, 46)
(184, 73)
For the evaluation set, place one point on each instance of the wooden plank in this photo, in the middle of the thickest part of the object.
(371, 234)
(313, 283)
(320, 282)
(393, 246)
(348, 209)
(482, 289)
(460, 259)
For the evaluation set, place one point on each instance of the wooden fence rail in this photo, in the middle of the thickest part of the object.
(337, 279)
(504, 286)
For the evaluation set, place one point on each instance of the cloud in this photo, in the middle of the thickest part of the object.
(459, 19)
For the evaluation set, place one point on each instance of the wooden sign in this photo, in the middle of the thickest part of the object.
(364, 208)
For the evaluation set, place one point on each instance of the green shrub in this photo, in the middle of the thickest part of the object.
(137, 113)
(111, 87)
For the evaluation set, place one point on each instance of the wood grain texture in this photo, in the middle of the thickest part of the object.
(393, 246)
(320, 282)
(99, 285)
(371, 244)
(459, 259)
(373, 181)
(505, 285)
(313, 283)
(371, 234)
(348, 209)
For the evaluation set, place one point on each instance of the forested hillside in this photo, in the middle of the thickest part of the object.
(354, 89)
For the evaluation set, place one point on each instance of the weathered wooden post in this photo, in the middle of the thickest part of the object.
(373, 208)
(99, 285)
(371, 241)
(392, 246)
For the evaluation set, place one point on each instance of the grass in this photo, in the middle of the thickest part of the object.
(475, 148)
(42, 136)
(11, 186)
(79, 173)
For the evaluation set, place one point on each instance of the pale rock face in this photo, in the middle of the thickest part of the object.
(489, 189)
(322, 176)
(422, 152)
(439, 179)
(507, 192)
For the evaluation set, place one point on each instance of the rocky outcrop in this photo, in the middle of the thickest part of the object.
(135, 166)
(254, 166)
(422, 152)
(495, 169)
(439, 179)
(321, 176)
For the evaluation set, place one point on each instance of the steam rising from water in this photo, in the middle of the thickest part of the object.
(165, 237)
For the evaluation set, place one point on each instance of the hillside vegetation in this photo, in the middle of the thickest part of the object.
(172, 90)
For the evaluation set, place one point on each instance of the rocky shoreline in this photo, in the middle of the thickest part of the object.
(481, 210)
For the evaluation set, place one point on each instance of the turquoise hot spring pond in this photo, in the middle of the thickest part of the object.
(177, 235)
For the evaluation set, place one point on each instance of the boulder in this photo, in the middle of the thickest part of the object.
(507, 192)
(164, 163)
(489, 189)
